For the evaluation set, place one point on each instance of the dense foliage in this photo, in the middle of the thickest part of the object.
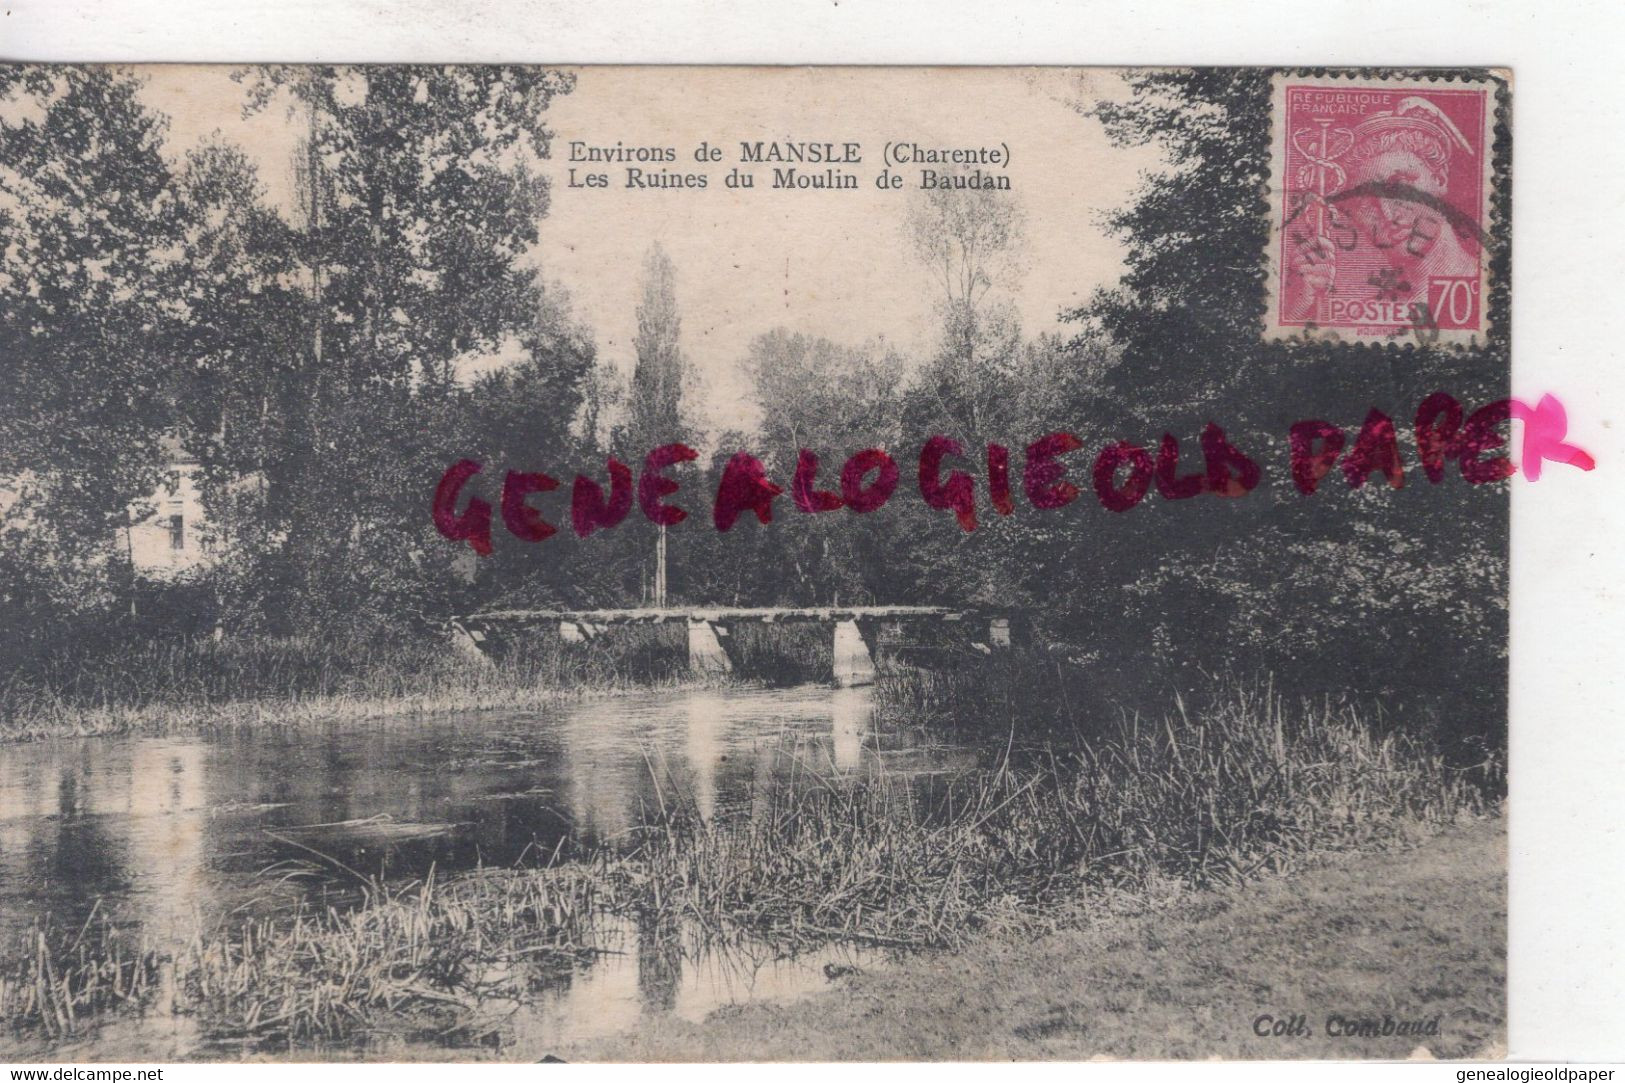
(323, 367)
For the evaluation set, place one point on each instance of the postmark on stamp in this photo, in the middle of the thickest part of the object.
(1379, 199)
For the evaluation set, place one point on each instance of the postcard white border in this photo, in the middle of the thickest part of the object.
(1567, 962)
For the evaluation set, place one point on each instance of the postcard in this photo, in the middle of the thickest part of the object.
(523, 563)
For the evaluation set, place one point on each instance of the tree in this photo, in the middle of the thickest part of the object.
(1315, 590)
(660, 371)
(832, 401)
(523, 417)
(92, 305)
(419, 211)
(655, 396)
(969, 241)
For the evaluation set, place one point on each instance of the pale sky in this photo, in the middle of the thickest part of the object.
(832, 263)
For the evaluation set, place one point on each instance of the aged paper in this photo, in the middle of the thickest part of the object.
(632, 563)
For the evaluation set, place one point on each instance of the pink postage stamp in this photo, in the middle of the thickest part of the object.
(1380, 202)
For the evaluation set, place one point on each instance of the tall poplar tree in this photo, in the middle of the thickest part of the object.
(654, 414)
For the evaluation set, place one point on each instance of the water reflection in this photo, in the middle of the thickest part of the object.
(664, 974)
(703, 750)
(86, 819)
(852, 716)
(162, 832)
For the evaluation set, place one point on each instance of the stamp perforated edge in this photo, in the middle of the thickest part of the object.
(1496, 82)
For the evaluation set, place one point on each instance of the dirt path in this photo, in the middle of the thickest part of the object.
(1411, 935)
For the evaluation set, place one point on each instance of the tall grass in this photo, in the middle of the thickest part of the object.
(189, 683)
(784, 653)
(1041, 700)
(1248, 784)
(57, 983)
(197, 683)
(425, 946)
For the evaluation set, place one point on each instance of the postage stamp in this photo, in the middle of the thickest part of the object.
(1379, 204)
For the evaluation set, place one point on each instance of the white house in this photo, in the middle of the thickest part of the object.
(166, 535)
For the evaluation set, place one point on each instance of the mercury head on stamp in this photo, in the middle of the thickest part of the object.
(1382, 189)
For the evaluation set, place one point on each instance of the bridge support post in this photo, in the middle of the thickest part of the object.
(854, 655)
(706, 654)
(469, 643)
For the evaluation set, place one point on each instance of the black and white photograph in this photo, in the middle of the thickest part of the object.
(516, 563)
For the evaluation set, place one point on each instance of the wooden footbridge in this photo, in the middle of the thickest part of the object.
(856, 629)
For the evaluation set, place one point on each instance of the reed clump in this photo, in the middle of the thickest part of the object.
(428, 947)
(1249, 786)
(57, 984)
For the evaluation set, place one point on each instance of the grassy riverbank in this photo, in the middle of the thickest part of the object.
(1415, 932)
(1249, 787)
(191, 684)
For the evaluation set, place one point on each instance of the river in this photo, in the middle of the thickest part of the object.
(162, 834)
